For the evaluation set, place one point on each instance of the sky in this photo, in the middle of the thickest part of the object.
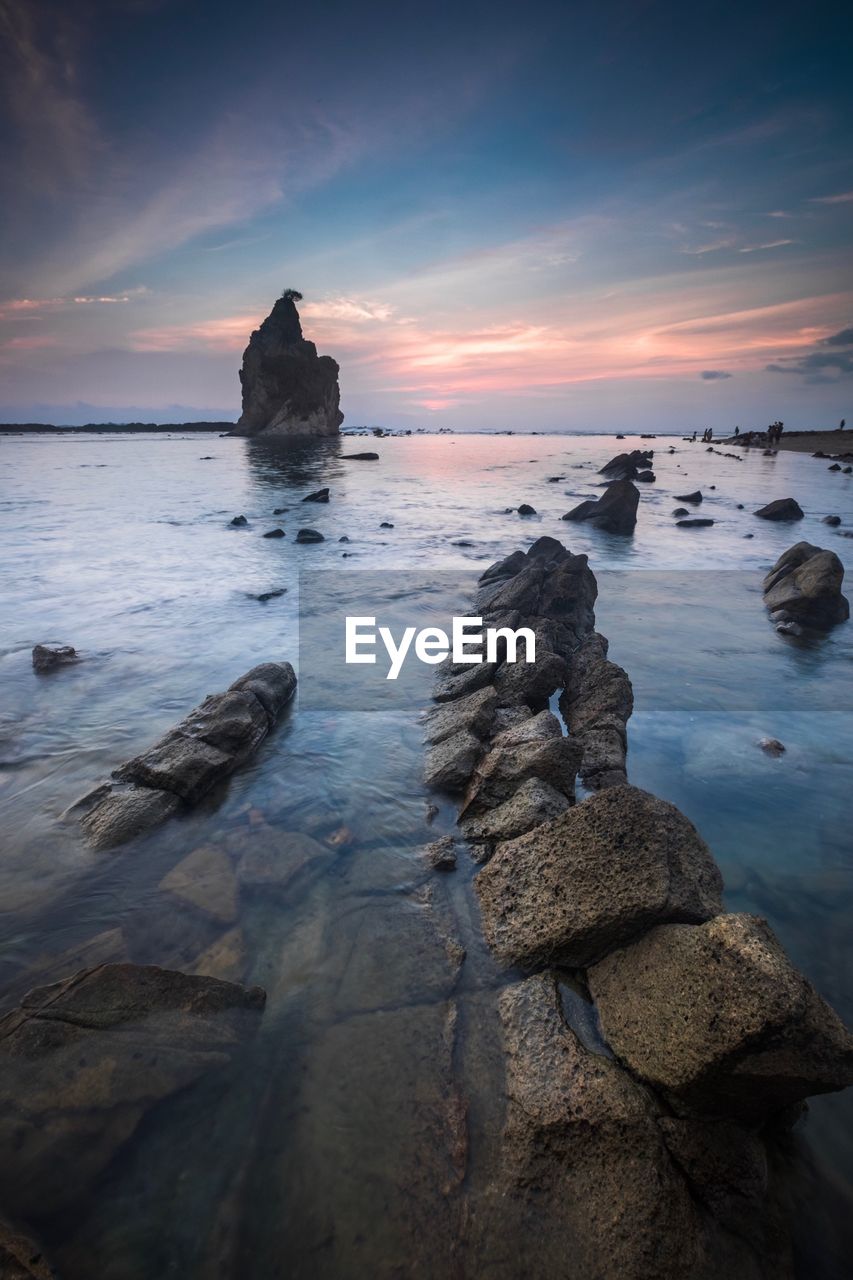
(570, 217)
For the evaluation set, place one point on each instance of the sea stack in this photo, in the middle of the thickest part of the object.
(288, 390)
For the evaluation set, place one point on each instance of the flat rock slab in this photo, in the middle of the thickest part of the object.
(600, 874)
(717, 1017)
(86, 1058)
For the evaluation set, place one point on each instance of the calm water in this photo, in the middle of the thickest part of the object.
(326, 1155)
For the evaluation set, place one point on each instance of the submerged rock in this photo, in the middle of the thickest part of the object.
(310, 535)
(781, 509)
(600, 874)
(86, 1058)
(275, 533)
(804, 586)
(319, 495)
(717, 1017)
(288, 390)
(615, 510)
(239, 522)
(695, 497)
(47, 657)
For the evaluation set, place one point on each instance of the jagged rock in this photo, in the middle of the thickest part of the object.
(694, 497)
(288, 390)
(771, 746)
(500, 773)
(310, 535)
(540, 727)
(455, 682)
(441, 854)
(319, 495)
(627, 466)
(598, 875)
(804, 586)
(474, 712)
(450, 762)
(239, 522)
(21, 1258)
(586, 1184)
(533, 803)
(596, 705)
(47, 657)
(716, 1016)
(781, 509)
(213, 740)
(86, 1058)
(615, 510)
(531, 683)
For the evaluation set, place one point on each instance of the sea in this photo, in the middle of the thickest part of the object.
(318, 1152)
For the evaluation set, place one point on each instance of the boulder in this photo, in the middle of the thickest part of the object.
(717, 1017)
(275, 533)
(695, 497)
(602, 873)
(450, 762)
(627, 466)
(647, 477)
(319, 495)
(112, 815)
(615, 510)
(500, 773)
(239, 522)
(596, 705)
(441, 854)
(474, 712)
(532, 804)
(540, 727)
(781, 509)
(47, 657)
(86, 1058)
(309, 535)
(833, 521)
(804, 586)
(526, 510)
(531, 683)
(288, 390)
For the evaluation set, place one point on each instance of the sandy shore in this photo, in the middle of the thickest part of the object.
(810, 441)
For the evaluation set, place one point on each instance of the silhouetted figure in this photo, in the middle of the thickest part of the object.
(737, 431)
(842, 424)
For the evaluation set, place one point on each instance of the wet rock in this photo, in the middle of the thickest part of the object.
(804, 586)
(450, 762)
(112, 815)
(226, 958)
(693, 524)
(726, 1167)
(836, 466)
(695, 497)
(239, 522)
(86, 1058)
(441, 854)
(272, 683)
(47, 657)
(474, 712)
(526, 510)
(275, 533)
(500, 773)
(309, 535)
(615, 511)
(789, 628)
(205, 879)
(647, 477)
(21, 1258)
(280, 511)
(271, 595)
(386, 524)
(627, 466)
(319, 495)
(834, 521)
(771, 746)
(532, 804)
(781, 509)
(540, 727)
(680, 511)
(271, 858)
(360, 457)
(531, 682)
(603, 872)
(716, 1016)
(596, 704)
(287, 389)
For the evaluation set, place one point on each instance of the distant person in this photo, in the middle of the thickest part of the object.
(694, 433)
(737, 431)
(842, 424)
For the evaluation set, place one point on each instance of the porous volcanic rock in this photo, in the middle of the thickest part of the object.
(596, 705)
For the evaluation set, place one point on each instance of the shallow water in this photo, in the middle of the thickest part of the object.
(326, 1154)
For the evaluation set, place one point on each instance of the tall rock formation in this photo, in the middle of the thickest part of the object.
(288, 390)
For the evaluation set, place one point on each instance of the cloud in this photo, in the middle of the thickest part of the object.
(759, 248)
(714, 375)
(843, 197)
(829, 360)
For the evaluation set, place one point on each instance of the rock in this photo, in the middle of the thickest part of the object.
(596, 704)
(441, 854)
(781, 509)
(213, 740)
(532, 804)
(309, 535)
(680, 511)
(360, 457)
(526, 510)
(47, 657)
(771, 746)
(239, 522)
(21, 1258)
(804, 586)
(615, 510)
(540, 727)
(275, 533)
(225, 958)
(531, 683)
(602, 873)
(280, 511)
(386, 524)
(205, 879)
(716, 1017)
(86, 1058)
(836, 466)
(627, 466)
(693, 524)
(647, 477)
(319, 495)
(834, 521)
(474, 712)
(695, 497)
(122, 813)
(500, 773)
(789, 628)
(272, 858)
(288, 390)
(271, 595)
(450, 762)
(452, 684)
